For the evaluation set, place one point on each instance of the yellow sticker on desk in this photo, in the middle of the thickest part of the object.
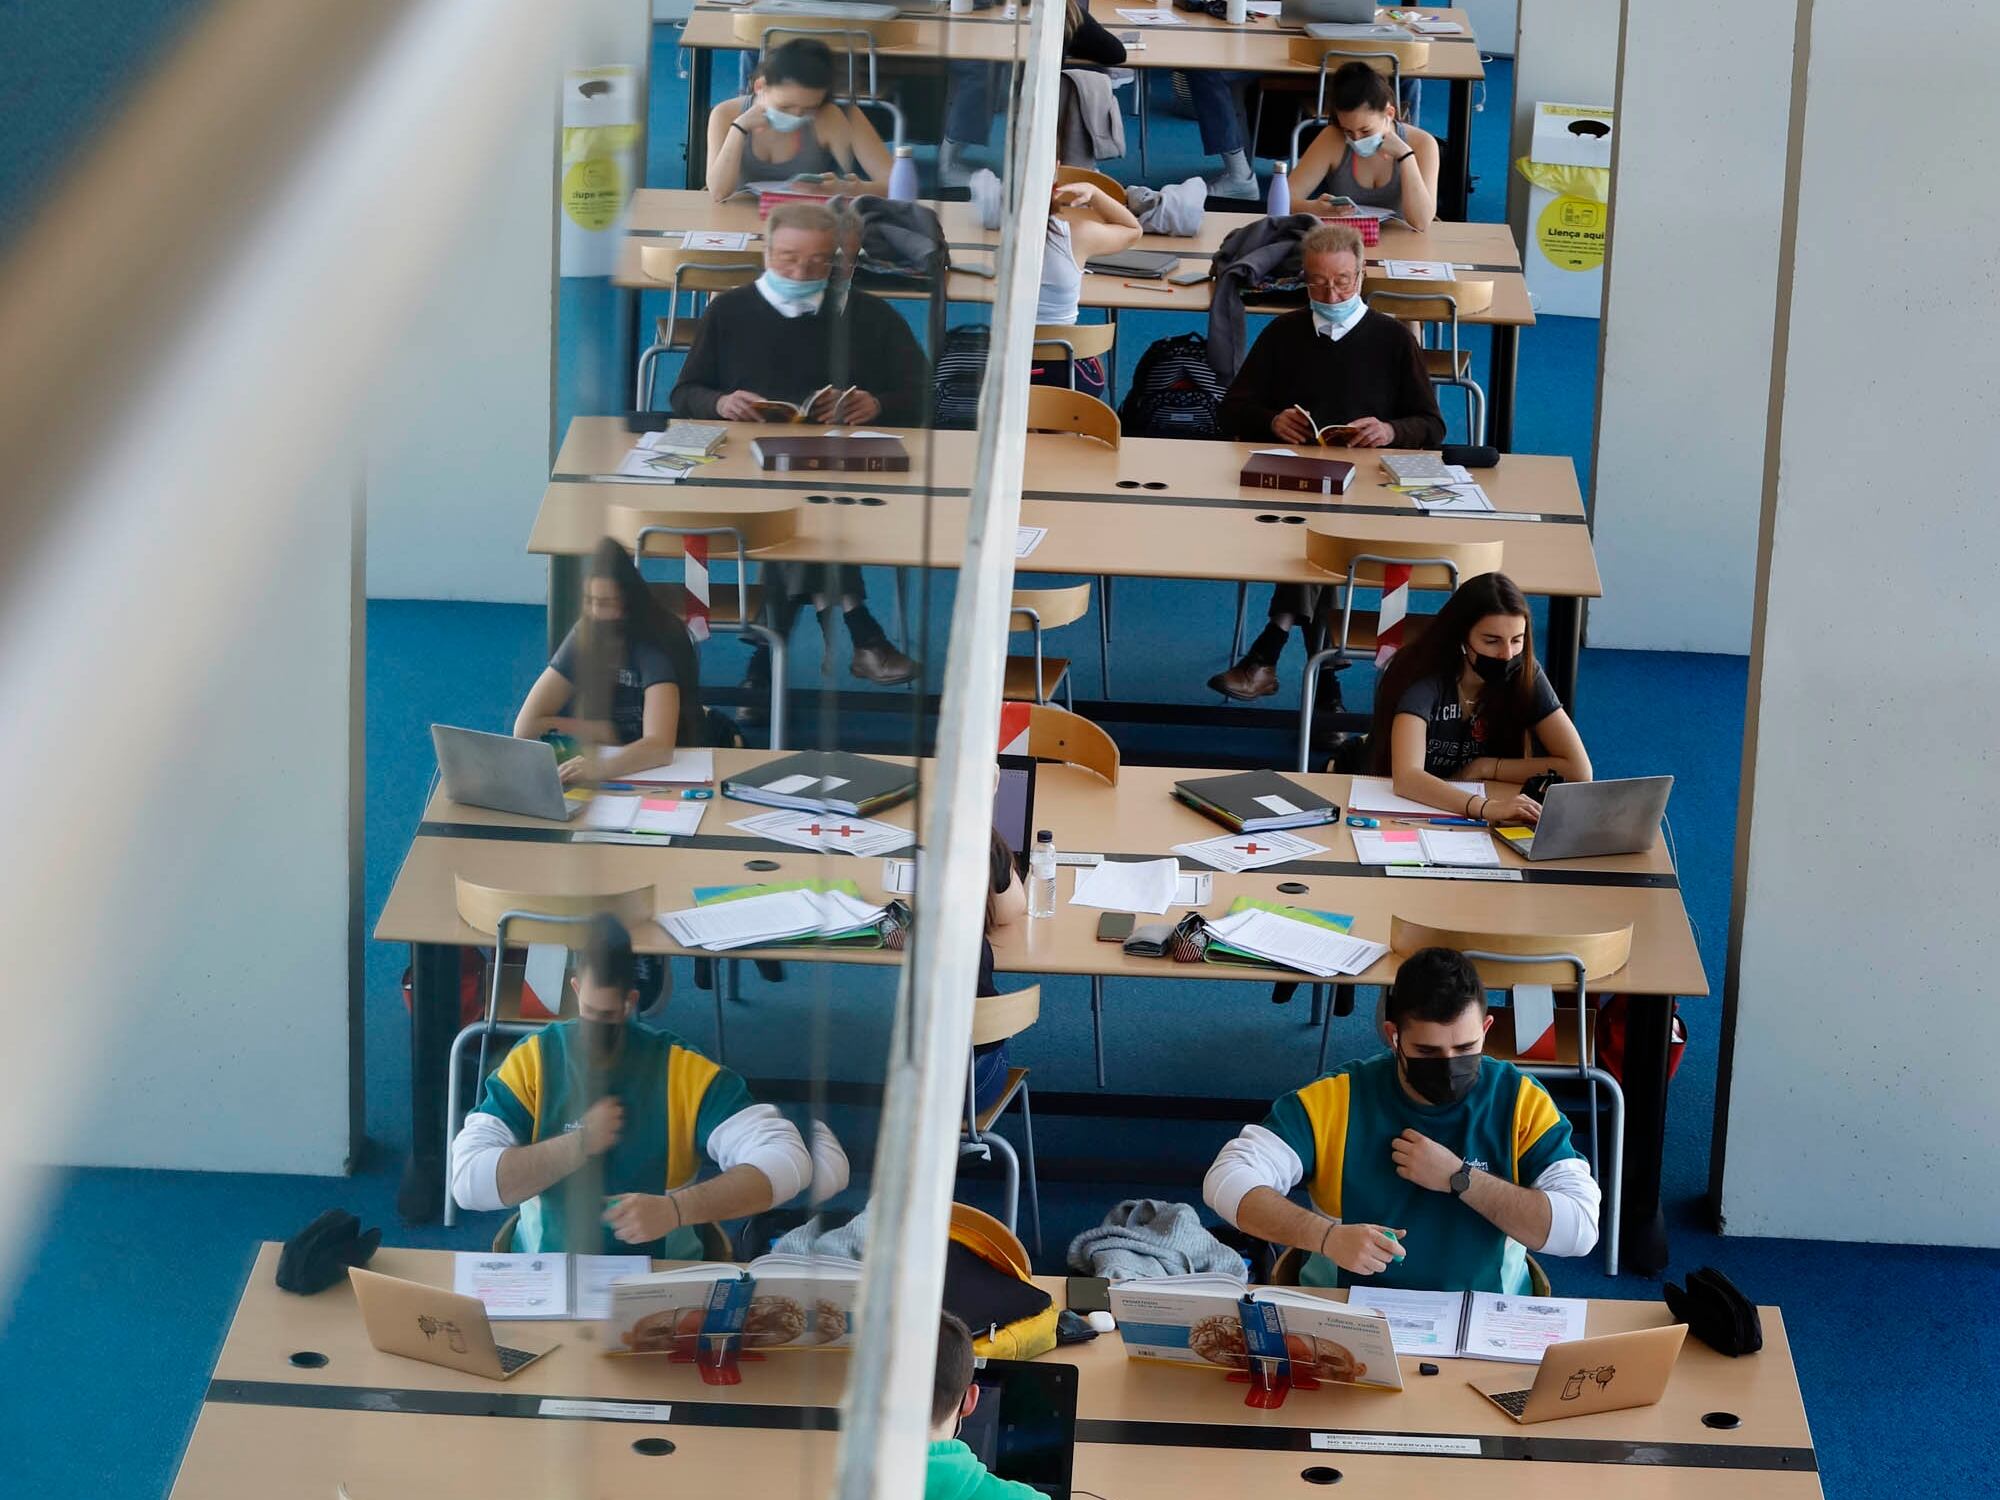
(1570, 232)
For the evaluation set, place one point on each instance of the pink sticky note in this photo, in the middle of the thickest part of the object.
(1401, 836)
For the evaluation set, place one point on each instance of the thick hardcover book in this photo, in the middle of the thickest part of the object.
(1281, 471)
(870, 455)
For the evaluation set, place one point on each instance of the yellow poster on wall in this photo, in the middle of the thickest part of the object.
(601, 141)
(1570, 232)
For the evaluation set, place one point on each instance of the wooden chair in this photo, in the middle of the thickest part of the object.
(1111, 185)
(1033, 679)
(1438, 310)
(1434, 566)
(997, 1018)
(698, 274)
(987, 1233)
(1508, 960)
(1057, 734)
(1074, 341)
(519, 917)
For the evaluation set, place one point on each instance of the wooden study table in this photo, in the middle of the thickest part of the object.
(384, 1425)
(1487, 250)
(1137, 817)
(1149, 508)
(1202, 44)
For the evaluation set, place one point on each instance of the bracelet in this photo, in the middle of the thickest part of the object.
(1325, 1237)
(680, 1218)
(1484, 803)
(737, 125)
(1468, 802)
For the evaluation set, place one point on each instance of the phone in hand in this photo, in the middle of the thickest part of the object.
(1114, 926)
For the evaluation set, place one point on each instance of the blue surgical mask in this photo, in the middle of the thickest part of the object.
(787, 290)
(785, 123)
(1368, 145)
(1336, 312)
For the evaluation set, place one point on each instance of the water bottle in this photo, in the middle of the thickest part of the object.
(1236, 12)
(1280, 202)
(903, 177)
(1042, 876)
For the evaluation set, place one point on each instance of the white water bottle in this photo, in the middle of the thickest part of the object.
(1236, 12)
(1280, 202)
(1042, 876)
(903, 176)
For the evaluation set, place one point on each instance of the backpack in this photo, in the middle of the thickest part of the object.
(988, 1284)
(1175, 392)
(961, 370)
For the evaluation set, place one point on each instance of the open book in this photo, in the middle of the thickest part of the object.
(1208, 1321)
(776, 1302)
(1333, 435)
(769, 410)
(1475, 1325)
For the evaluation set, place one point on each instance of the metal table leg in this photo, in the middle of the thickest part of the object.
(700, 61)
(1455, 166)
(1505, 366)
(433, 1024)
(1097, 1023)
(1565, 647)
(1648, 1036)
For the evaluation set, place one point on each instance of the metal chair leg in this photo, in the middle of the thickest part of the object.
(1318, 1004)
(1011, 1165)
(1097, 1023)
(1615, 1192)
(1325, 1036)
(1242, 623)
(452, 1101)
(1028, 1150)
(721, 1033)
(1104, 635)
(903, 604)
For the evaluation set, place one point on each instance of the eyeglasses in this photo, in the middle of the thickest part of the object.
(1345, 287)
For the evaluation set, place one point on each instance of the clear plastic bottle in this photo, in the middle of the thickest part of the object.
(903, 176)
(1042, 876)
(1280, 202)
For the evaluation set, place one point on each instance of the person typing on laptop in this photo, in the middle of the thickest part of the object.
(625, 678)
(1466, 701)
(1333, 361)
(594, 1127)
(1426, 1169)
(953, 1471)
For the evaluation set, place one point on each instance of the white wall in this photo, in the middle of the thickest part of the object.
(1862, 1105)
(1493, 24)
(1690, 294)
(1568, 54)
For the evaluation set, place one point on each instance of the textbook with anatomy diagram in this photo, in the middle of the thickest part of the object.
(1214, 1322)
(776, 1302)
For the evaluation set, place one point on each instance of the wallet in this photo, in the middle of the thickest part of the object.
(1716, 1312)
(1184, 941)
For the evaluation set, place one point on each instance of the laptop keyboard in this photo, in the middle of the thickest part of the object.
(1514, 1402)
(512, 1359)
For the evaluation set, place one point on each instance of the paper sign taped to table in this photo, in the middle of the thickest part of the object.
(1397, 1442)
(715, 239)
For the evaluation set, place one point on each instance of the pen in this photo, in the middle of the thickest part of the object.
(1440, 823)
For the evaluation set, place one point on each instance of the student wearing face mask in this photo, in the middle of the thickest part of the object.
(1424, 1169)
(1334, 361)
(1368, 154)
(794, 331)
(788, 126)
(1466, 701)
(595, 1128)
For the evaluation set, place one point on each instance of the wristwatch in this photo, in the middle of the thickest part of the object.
(1461, 1180)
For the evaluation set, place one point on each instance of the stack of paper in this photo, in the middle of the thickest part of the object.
(1296, 945)
(1127, 885)
(1376, 795)
(658, 455)
(689, 767)
(757, 921)
(827, 833)
(1239, 851)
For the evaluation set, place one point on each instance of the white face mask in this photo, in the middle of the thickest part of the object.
(1368, 145)
(783, 121)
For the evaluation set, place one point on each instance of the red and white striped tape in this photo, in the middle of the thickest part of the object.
(695, 550)
(1395, 609)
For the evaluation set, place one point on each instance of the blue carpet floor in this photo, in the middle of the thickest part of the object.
(160, 1257)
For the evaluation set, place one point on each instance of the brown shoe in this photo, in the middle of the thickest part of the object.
(1248, 680)
(882, 663)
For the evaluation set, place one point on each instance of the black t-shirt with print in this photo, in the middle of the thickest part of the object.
(1453, 741)
(645, 665)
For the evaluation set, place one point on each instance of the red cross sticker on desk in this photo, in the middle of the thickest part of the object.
(1253, 848)
(843, 831)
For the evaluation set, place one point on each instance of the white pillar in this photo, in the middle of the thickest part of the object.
(1689, 297)
(1862, 976)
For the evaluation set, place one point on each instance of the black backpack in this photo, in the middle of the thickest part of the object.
(961, 370)
(1175, 392)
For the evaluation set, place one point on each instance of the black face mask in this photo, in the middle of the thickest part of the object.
(603, 1041)
(1442, 1080)
(1491, 669)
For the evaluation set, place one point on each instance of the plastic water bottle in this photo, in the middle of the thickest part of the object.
(903, 177)
(1280, 202)
(1042, 876)
(1236, 12)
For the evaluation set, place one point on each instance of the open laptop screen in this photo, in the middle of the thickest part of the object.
(1024, 1427)
(1014, 806)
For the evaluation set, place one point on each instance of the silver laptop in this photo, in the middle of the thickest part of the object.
(1345, 12)
(1583, 819)
(501, 772)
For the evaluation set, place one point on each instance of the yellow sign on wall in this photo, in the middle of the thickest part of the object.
(1570, 232)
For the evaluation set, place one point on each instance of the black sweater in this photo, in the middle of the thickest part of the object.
(745, 344)
(1376, 370)
(1091, 43)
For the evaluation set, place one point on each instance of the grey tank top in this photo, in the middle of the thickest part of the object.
(1062, 278)
(1389, 195)
(813, 158)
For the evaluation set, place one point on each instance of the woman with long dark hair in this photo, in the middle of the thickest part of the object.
(1467, 701)
(624, 678)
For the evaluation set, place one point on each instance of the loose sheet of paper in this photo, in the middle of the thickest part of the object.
(715, 239)
(607, 811)
(514, 1286)
(1465, 848)
(1422, 1323)
(899, 877)
(1028, 538)
(827, 833)
(1297, 945)
(1521, 1328)
(594, 1275)
(1118, 885)
(1250, 851)
(1450, 499)
(1377, 794)
(690, 767)
(1157, 16)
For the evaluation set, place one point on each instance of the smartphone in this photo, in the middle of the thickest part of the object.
(1114, 926)
(1087, 1294)
(1191, 278)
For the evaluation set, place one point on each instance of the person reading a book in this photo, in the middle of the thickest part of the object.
(788, 126)
(594, 1128)
(1467, 701)
(846, 359)
(624, 683)
(952, 1471)
(1368, 155)
(1334, 361)
(1428, 1169)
